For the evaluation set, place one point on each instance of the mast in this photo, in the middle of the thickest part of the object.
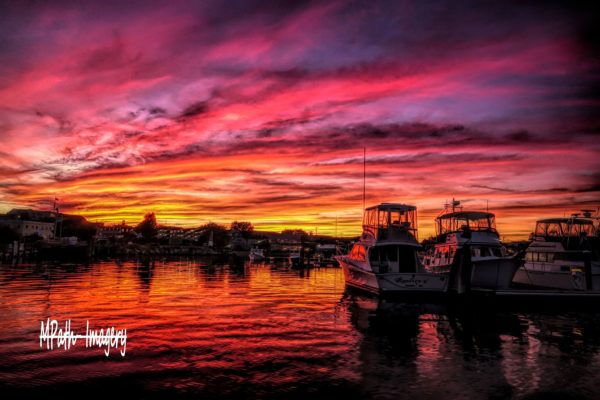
(364, 178)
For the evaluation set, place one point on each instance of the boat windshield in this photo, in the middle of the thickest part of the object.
(561, 227)
(463, 220)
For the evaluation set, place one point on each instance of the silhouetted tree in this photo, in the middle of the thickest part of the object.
(245, 228)
(294, 234)
(148, 228)
(8, 234)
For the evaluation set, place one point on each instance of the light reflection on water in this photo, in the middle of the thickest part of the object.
(214, 330)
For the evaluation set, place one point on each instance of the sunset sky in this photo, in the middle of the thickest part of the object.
(223, 110)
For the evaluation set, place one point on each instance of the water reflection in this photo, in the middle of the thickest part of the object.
(431, 351)
(206, 328)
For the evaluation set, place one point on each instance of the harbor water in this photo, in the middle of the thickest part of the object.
(206, 329)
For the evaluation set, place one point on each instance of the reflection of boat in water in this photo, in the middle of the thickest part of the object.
(564, 254)
(491, 267)
(385, 258)
(257, 255)
(435, 351)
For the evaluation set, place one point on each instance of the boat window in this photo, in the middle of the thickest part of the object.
(475, 252)
(358, 252)
(581, 229)
(373, 217)
(554, 229)
(397, 217)
(540, 229)
(383, 218)
(575, 256)
(466, 221)
(542, 257)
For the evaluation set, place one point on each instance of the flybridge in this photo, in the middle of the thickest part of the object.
(386, 218)
(561, 227)
(462, 220)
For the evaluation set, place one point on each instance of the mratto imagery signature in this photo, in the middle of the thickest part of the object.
(108, 338)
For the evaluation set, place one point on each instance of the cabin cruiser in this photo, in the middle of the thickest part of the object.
(564, 254)
(384, 260)
(490, 265)
(325, 255)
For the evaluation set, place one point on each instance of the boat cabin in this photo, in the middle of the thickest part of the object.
(460, 221)
(390, 221)
(564, 227)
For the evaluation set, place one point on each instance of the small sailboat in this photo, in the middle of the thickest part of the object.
(385, 260)
(490, 265)
(564, 254)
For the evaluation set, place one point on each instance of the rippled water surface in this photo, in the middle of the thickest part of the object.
(208, 330)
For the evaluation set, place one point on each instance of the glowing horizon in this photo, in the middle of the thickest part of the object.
(258, 112)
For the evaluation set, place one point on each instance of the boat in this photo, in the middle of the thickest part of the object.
(294, 259)
(257, 255)
(325, 255)
(490, 265)
(384, 260)
(563, 254)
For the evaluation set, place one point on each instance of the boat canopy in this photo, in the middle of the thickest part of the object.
(560, 227)
(462, 220)
(390, 216)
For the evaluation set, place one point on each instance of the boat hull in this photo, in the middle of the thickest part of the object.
(494, 273)
(393, 283)
(572, 281)
(488, 273)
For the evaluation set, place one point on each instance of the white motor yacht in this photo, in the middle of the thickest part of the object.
(385, 260)
(564, 254)
(491, 267)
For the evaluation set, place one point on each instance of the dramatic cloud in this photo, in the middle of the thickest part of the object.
(260, 110)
